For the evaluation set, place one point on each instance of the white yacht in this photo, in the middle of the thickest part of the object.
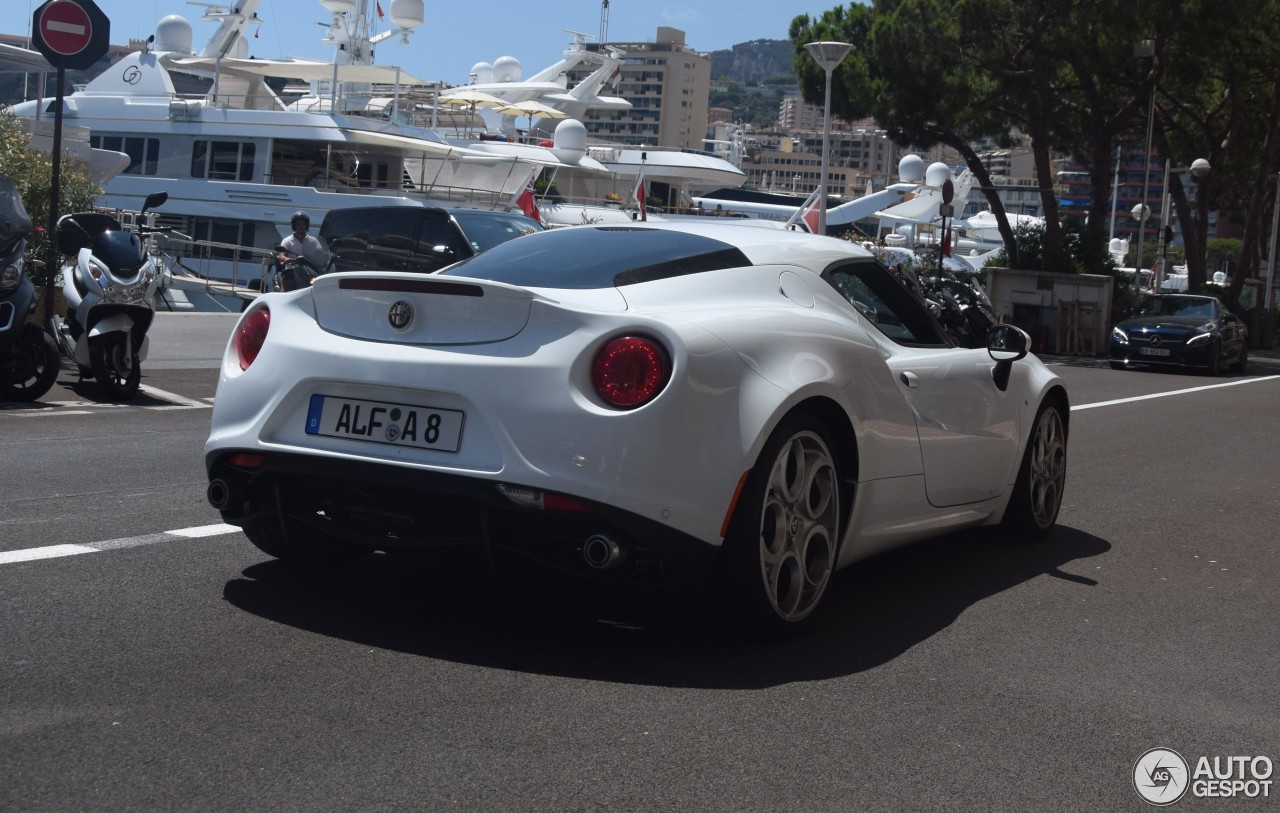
(238, 150)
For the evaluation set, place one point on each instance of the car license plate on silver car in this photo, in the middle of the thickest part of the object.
(424, 427)
(1154, 351)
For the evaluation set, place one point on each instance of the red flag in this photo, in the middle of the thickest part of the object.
(638, 195)
(378, 6)
(946, 243)
(527, 204)
(811, 216)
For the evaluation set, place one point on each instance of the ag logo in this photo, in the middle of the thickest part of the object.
(1161, 776)
(132, 75)
(400, 315)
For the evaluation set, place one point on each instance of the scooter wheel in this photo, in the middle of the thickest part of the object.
(115, 366)
(35, 369)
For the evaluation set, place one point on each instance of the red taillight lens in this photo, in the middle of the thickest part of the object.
(630, 371)
(251, 335)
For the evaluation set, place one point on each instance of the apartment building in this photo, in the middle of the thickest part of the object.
(668, 84)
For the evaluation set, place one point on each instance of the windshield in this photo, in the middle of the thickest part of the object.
(484, 230)
(1178, 306)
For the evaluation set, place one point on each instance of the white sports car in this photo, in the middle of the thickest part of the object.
(645, 403)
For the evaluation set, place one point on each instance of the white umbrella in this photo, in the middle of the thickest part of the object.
(533, 109)
(471, 99)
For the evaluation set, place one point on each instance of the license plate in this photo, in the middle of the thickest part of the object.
(423, 427)
(1154, 351)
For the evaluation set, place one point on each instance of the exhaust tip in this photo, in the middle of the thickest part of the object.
(604, 553)
(218, 493)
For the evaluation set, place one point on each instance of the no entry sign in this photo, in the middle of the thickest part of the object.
(70, 33)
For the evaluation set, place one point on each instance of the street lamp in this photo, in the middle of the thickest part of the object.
(1140, 212)
(828, 55)
(1198, 169)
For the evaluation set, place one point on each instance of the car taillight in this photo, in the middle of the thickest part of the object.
(630, 371)
(251, 335)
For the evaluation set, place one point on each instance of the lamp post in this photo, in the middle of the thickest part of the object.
(1146, 48)
(1140, 212)
(1199, 168)
(1268, 317)
(828, 55)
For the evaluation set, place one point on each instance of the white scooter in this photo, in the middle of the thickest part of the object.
(110, 285)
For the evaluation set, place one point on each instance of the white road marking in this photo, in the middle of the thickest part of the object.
(1173, 392)
(172, 397)
(54, 551)
(50, 552)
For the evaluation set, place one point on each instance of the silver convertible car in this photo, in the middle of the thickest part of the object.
(702, 405)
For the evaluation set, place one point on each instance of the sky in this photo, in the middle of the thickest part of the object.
(460, 33)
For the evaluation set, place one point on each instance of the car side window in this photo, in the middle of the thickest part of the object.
(885, 303)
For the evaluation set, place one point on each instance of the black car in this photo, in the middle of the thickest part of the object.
(1181, 330)
(421, 239)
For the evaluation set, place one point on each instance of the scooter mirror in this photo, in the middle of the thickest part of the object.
(154, 199)
(71, 236)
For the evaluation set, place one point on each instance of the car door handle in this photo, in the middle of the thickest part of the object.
(910, 379)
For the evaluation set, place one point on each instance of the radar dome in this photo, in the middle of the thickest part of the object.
(407, 13)
(482, 73)
(338, 6)
(570, 141)
(173, 34)
(937, 174)
(507, 69)
(911, 168)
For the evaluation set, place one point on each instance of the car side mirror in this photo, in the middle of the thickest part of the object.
(1006, 344)
(443, 254)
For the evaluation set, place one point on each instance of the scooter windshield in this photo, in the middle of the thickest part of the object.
(121, 251)
(15, 223)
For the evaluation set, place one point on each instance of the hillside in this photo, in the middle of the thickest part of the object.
(751, 63)
(758, 73)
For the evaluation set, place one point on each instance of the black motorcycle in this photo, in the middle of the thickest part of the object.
(29, 361)
(293, 271)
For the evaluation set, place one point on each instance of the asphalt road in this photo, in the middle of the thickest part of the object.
(170, 666)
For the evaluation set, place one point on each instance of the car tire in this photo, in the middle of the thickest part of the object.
(784, 538)
(1241, 364)
(1117, 365)
(292, 541)
(1037, 493)
(1215, 362)
(117, 371)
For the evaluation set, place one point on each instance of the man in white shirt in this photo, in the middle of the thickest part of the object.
(305, 245)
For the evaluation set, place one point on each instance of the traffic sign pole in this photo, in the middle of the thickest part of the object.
(70, 34)
(55, 195)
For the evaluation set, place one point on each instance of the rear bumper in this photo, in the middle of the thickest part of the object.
(393, 508)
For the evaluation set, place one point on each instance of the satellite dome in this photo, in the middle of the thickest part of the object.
(507, 69)
(173, 35)
(937, 174)
(338, 6)
(911, 168)
(570, 141)
(407, 13)
(481, 73)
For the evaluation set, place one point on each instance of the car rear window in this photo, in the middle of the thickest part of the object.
(599, 257)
